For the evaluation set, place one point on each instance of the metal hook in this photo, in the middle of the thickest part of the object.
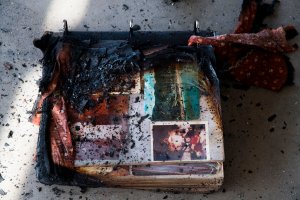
(66, 29)
(131, 31)
(131, 23)
(196, 27)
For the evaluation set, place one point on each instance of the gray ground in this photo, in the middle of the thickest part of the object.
(260, 164)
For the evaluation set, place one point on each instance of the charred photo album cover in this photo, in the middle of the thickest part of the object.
(180, 141)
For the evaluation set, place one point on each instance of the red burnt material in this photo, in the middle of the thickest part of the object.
(255, 69)
(273, 40)
(72, 79)
(63, 59)
(253, 14)
(254, 58)
(62, 150)
(247, 17)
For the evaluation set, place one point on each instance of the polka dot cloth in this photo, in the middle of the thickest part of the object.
(252, 58)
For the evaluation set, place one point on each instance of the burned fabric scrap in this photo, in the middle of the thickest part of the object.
(60, 136)
(251, 55)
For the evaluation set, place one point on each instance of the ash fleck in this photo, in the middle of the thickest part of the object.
(1, 178)
(57, 191)
(29, 194)
(8, 66)
(86, 26)
(132, 144)
(125, 7)
(137, 99)
(4, 30)
(10, 134)
(272, 117)
(232, 120)
(284, 125)
(83, 190)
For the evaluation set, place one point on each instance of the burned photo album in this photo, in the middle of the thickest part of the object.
(156, 121)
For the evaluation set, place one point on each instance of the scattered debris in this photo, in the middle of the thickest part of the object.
(29, 195)
(232, 120)
(137, 99)
(57, 191)
(272, 117)
(284, 125)
(86, 26)
(10, 134)
(125, 7)
(83, 189)
(8, 66)
(21, 80)
(1, 178)
(26, 27)
(4, 30)
(132, 144)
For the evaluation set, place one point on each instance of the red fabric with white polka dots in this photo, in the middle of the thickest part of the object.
(272, 40)
(252, 58)
(261, 68)
(247, 18)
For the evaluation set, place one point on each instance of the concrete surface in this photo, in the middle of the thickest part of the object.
(260, 164)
